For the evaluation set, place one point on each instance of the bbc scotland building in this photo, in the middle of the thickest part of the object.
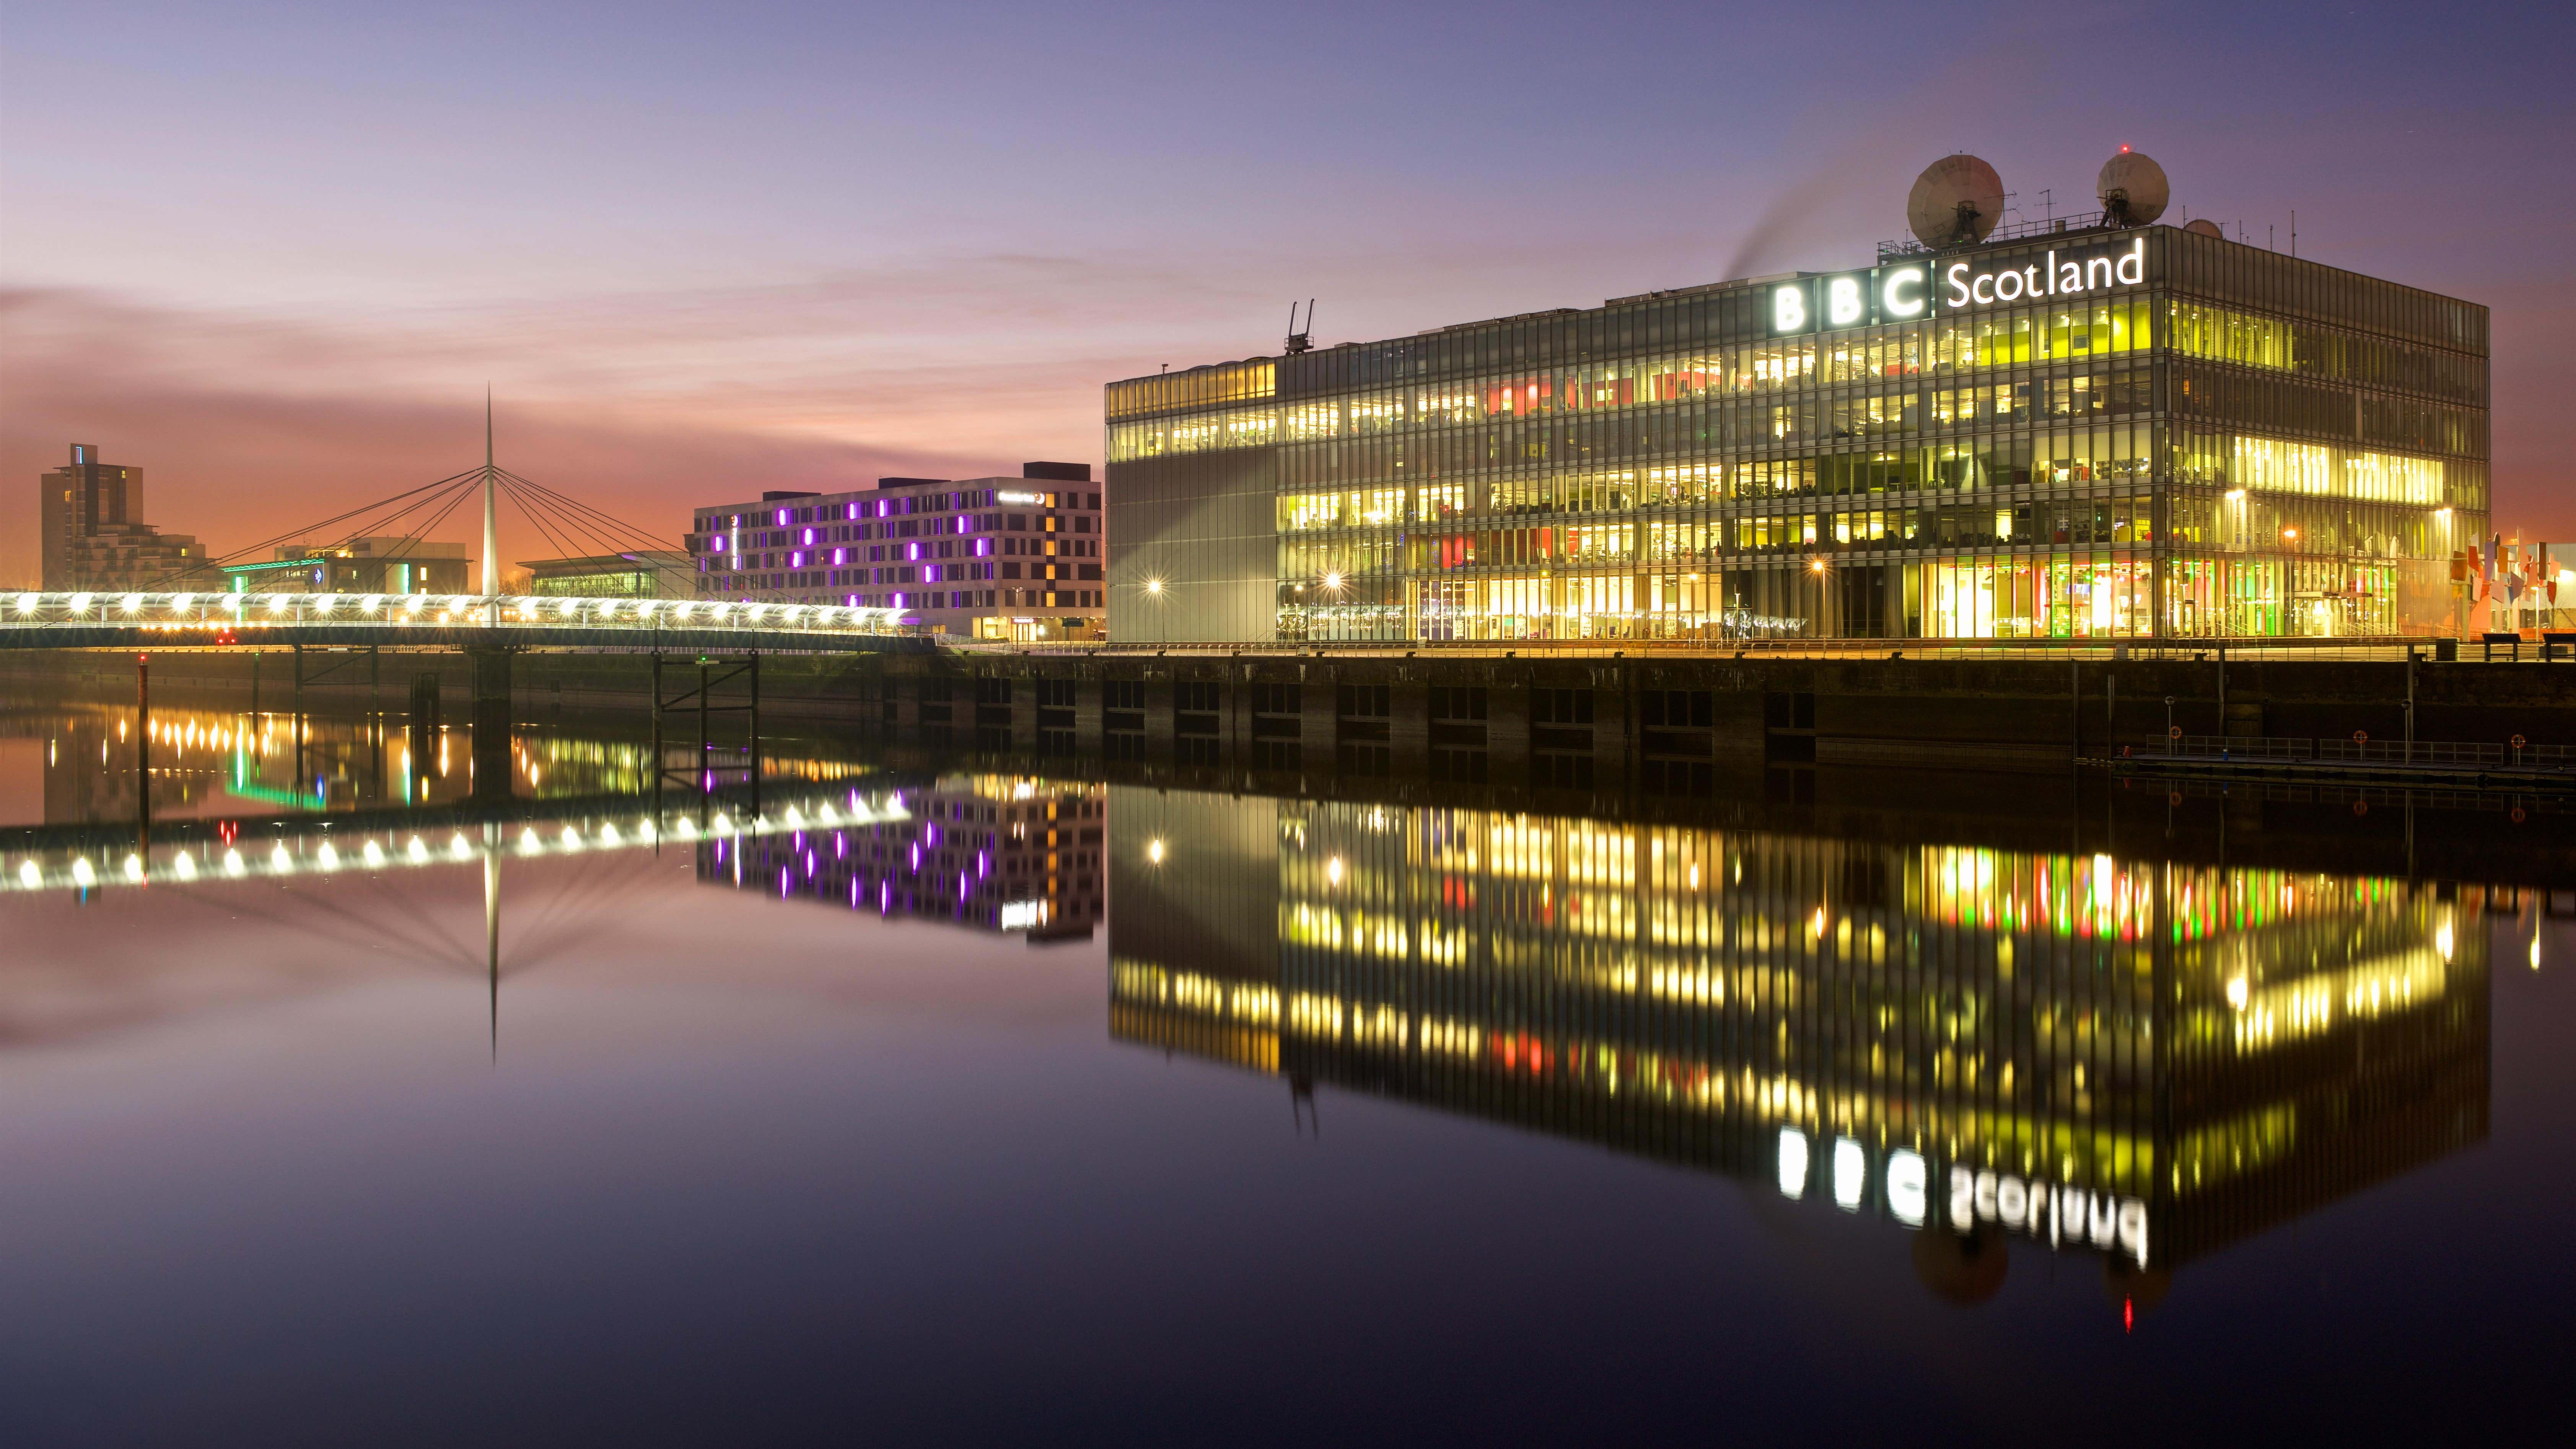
(2087, 431)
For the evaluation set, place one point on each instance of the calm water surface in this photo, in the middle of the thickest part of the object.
(931, 1102)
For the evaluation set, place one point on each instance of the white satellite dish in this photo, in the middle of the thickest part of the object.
(2133, 189)
(1955, 202)
(2204, 227)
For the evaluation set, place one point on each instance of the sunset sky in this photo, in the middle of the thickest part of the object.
(272, 254)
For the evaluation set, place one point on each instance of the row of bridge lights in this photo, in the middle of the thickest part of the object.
(409, 607)
(375, 855)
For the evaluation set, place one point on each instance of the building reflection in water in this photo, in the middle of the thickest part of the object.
(2139, 1060)
(219, 762)
(997, 852)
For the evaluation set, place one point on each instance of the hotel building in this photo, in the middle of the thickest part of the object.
(990, 558)
(2087, 431)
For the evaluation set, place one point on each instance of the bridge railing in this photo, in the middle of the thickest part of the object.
(189, 612)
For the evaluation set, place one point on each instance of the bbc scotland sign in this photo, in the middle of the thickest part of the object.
(1904, 291)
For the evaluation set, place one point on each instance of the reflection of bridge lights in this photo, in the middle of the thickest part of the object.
(1153, 852)
(185, 865)
(330, 857)
(419, 851)
(528, 842)
(1333, 870)
(720, 825)
(571, 838)
(30, 876)
(459, 848)
(375, 856)
(82, 875)
(278, 859)
(2238, 991)
(233, 862)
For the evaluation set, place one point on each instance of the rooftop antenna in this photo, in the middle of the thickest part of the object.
(1955, 202)
(2133, 189)
(1301, 341)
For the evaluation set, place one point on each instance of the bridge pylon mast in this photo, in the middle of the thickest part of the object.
(491, 523)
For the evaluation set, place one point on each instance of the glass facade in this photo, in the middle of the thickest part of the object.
(2106, 433)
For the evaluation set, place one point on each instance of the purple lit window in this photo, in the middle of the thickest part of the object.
(809, 535)
(782, 516)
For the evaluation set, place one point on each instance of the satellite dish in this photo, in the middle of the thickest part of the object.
(2204, 227)
(2133, 189)
(1955, 202)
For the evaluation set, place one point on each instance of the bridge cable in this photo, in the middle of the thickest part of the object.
(219, 560)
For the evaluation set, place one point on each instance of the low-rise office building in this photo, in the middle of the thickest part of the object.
(377, 564)
(988, 558)
(2085, 429)
(644, 574)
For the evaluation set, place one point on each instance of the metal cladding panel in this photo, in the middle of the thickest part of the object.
(1210, 905)
(1205, 527)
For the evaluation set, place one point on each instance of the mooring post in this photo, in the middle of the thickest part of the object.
(659, 770)
(143, 750)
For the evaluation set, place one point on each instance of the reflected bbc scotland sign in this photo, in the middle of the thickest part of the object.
(1903, 291)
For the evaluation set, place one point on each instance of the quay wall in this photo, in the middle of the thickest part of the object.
(1586, 722)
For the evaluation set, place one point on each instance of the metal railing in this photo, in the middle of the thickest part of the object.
(2441, 754)
(188, 614)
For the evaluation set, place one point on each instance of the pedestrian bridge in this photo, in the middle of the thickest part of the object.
(452, 621)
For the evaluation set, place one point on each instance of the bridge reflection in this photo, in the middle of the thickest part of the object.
(2136, 1059)
(246, 796)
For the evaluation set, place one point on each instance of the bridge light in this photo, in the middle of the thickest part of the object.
(326, 603)
(375, 604)
(80, 603)
(179, 602)
(27, 603)
(277, 603)
(134, 603)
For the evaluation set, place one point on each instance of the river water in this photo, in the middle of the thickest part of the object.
(930, 1100)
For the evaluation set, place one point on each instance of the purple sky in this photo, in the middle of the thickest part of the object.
(272, 253)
